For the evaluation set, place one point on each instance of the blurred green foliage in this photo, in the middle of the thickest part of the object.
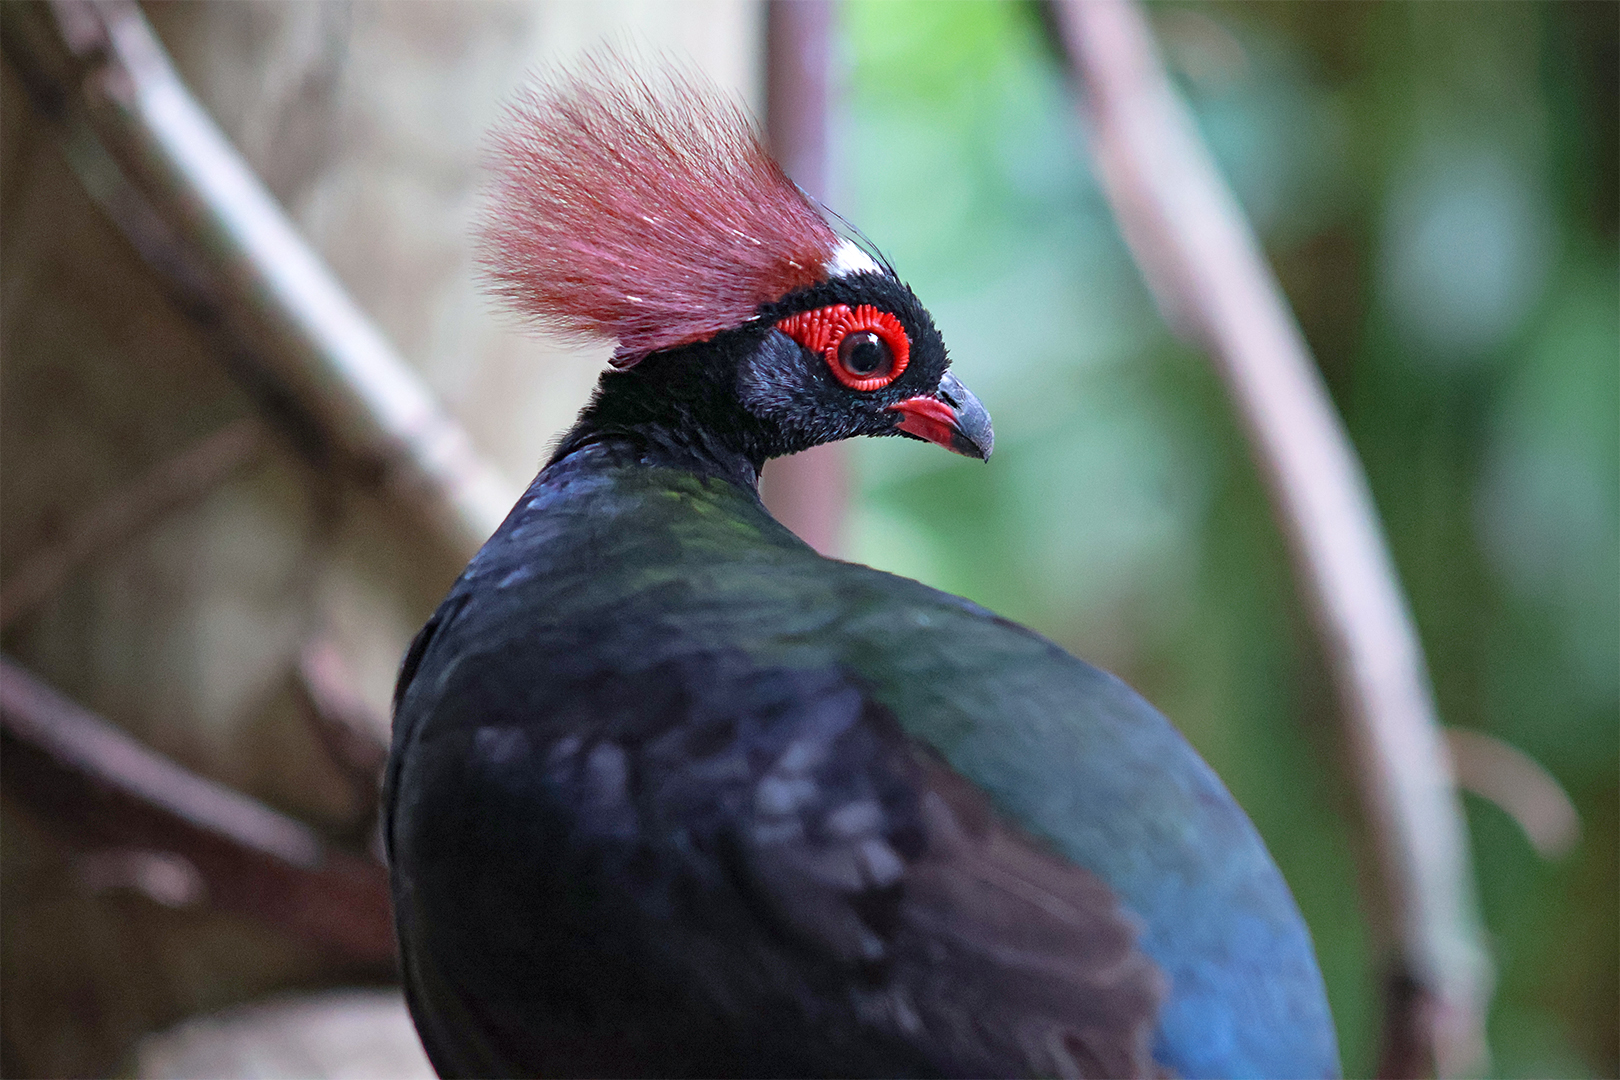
(1436, 185)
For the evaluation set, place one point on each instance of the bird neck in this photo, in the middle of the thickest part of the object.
(674, 410)
(655, 446)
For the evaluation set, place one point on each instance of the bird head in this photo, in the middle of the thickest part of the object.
(642, 208)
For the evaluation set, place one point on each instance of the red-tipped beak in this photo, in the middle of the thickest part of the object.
(950, 417)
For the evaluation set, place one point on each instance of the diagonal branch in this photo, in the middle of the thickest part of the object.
(111, 790)
(171, 181)
(1206, 270)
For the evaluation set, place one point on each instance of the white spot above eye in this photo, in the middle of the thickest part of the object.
(848, 259)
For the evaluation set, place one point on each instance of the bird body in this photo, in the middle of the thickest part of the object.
(672, 794)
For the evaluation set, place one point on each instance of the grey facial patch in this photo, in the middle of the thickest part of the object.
(772, 383)
(783, 385)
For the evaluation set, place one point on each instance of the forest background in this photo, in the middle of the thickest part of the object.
(1435, 184)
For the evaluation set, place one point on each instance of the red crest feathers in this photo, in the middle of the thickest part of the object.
(646, 213)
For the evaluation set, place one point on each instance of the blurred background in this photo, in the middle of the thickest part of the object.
(1435, 185)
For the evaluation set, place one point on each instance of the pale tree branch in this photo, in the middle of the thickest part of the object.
(1206, 269)
(113, 792)
(172, 182)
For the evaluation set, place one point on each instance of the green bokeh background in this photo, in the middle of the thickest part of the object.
(1436, 186)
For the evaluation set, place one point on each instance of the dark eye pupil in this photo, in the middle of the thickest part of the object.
(864, 354)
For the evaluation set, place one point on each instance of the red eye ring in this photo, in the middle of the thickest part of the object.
(824, 329)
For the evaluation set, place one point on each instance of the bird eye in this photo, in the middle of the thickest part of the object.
(866, 347)
(864, 355)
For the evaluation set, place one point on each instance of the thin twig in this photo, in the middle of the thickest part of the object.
(173, 484)
(1205, 267)
(354, 736)
(1516, 783)
(324, 353)
(90, 775)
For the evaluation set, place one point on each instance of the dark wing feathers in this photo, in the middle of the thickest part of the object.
(1059, 959)
(798, 886)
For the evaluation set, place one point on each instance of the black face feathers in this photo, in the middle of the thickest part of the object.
(642, 208)
(806, 400)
